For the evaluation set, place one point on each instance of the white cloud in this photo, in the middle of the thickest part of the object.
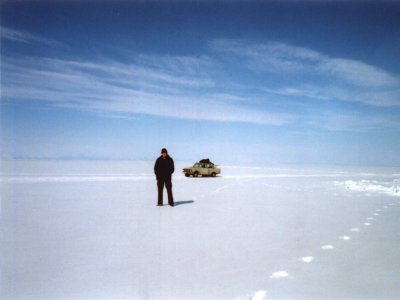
(358, 73)
(130, 89)
(351, 121)
(197, 88)
(23, 36)
(188, 65)
(326, 78)
(270, 56)
(300, 91)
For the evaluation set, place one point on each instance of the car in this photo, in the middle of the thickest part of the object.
(204, 168)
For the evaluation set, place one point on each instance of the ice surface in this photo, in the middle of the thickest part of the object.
(259, 295)
(386, 187)
(307, 259)
(91, 229)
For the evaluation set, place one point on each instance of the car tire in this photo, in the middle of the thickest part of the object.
(195, 174)
(213, 174)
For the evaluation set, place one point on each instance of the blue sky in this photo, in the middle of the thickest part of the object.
(262, 82)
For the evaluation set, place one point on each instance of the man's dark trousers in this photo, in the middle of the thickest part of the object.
(168, 185)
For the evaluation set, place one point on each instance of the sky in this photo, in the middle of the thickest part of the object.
(264, 82)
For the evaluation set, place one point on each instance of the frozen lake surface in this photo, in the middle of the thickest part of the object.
(92, 230)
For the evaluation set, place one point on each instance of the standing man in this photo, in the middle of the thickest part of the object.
(163, 168)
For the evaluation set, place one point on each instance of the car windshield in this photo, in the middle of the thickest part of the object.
(196, 165)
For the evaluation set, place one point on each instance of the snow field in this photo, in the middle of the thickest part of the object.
(94, 231)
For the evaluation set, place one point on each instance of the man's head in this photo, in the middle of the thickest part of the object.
(164, 152)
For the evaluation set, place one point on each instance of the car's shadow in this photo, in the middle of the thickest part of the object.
(176, 203)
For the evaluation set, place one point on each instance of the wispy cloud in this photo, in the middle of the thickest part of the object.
(352, 121)
(324, 76)
(21, 36)
(128, 88)
(269, 56)
(198, 87)
(358, 73)
(299, 91)
(187, 65)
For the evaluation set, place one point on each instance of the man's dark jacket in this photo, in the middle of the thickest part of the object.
(164, 168)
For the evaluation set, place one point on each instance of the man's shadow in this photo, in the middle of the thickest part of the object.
(176, 203)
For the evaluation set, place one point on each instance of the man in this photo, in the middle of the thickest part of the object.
(163, 168)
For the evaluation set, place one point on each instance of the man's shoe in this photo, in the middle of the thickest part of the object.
(159, 205)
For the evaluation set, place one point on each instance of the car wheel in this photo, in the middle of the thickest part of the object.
(213, 174)
(196, 174)
(187, 175)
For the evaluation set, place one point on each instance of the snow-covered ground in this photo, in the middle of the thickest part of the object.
(92, 230)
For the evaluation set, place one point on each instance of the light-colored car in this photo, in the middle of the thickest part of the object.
(204, 168)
